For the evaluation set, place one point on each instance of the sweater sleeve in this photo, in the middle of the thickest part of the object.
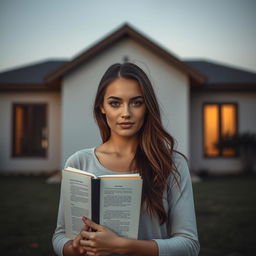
(59, 239)
(183, 240)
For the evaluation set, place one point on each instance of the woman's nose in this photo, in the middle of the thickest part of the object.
(126, 111)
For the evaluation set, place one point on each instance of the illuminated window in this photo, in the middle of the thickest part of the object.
(220, 120)
(29, 130)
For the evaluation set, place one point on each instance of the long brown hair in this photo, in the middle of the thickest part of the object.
(154, 156)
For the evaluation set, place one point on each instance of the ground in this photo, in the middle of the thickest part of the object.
(225, 209)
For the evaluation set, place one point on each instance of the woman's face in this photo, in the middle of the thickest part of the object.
(124, 107)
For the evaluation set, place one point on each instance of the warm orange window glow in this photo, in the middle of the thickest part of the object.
(219, 121)
(228, 127)
(228, 120)
(211, 136)
(18, 129)
(30, 136)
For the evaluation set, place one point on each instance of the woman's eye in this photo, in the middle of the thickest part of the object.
(137, 103)
(114, 104)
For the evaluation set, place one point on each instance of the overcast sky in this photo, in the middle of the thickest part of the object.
(217, 30)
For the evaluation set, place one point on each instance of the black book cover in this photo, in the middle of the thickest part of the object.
(95, 187)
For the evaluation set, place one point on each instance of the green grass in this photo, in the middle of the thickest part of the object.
(28, 215)
(226, 214)
(225, 207)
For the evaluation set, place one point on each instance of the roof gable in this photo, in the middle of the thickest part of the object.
(47, 75)
(126, 31)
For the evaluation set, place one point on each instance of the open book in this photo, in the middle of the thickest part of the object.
(110, 200)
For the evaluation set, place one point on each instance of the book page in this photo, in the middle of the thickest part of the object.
(76, 189)
(126, 175)
(120, 205)
(71, 169)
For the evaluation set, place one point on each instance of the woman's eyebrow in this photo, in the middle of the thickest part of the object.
(133, 98)
(137, 97)
(114, 97)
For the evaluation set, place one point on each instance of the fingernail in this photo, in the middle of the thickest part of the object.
(84, 219)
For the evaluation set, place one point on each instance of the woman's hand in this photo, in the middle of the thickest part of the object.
(77, 244)
(104, 242)
(74, 247)
(101, 242)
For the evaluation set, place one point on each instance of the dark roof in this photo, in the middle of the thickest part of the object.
(47, 75)
(126, 31)
(31, 77)
(32, 74)
(222, 76)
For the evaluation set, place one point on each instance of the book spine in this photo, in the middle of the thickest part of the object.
(96, 200)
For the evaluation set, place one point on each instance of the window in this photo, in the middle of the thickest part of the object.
(29, 130)
(219, 120)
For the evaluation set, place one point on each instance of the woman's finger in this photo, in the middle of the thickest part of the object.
(88, 235)
(79, 237)
(93, 251)
(75, 242)
(92, 224)
(87, 243)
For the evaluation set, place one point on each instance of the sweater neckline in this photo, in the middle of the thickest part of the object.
(103, 167)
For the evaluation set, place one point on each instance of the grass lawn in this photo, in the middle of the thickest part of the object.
(28, 215)
(226, 215)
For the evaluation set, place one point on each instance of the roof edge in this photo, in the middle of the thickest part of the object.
(234, 87)
(94, 49)
(121, 32)
(18, 87)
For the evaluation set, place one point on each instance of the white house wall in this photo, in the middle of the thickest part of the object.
(246, 123)
(79, 89)
(30, 164)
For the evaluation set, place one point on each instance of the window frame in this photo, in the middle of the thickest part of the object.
(219, 104)
(14, 106)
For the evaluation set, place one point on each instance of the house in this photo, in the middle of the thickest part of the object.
(46, 108)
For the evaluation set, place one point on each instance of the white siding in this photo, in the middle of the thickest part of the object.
(246, 123)
(79, 88)
(28, 164)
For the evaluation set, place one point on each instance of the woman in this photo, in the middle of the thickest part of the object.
(134, 140)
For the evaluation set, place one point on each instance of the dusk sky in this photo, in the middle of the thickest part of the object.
(219, 30)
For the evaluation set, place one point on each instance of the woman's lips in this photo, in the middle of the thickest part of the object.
(126, 125)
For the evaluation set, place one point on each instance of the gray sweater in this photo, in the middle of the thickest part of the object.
(176, 237)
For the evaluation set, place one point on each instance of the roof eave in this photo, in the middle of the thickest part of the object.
(126, 31)
(35, 87)
(190, 71)
(234, 87)
(95, 49)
